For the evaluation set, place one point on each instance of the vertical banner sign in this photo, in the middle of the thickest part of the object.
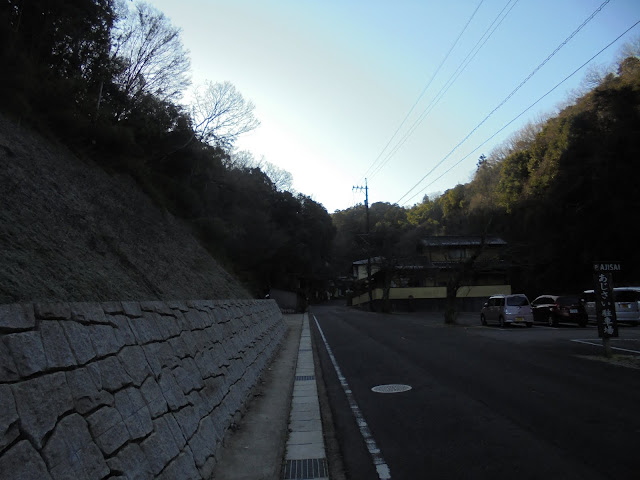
(605, 303)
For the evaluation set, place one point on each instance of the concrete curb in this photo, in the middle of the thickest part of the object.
(305, 450)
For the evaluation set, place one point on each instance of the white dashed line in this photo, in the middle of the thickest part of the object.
(600, 344)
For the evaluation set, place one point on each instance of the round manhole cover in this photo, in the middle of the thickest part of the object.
(391, 388)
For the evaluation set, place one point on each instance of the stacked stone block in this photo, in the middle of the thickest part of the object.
(127, 390)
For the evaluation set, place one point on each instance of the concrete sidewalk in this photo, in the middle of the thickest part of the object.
(305, 454)
(280, 435)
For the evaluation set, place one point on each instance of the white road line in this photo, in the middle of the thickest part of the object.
(381, 467)
(612, 348)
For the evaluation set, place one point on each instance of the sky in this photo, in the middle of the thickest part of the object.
(402, 95)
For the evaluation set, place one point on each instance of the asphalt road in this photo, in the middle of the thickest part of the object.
(485, 403)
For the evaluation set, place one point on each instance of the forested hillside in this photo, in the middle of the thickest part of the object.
(105, 79)
(563, 193)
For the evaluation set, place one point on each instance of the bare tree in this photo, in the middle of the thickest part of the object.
(240, 159)
(220, 114)
(519, 140)
(281, 178)
(594, 76)
(629, 49)
(461, 270)
(154, 61)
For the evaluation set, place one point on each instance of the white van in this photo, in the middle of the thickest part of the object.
(627, 301)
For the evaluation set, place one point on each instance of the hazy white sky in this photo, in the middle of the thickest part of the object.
(333, 80)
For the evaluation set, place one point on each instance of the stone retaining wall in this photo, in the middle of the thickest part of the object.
(127, 389)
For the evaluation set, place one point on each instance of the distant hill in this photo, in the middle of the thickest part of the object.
(71, 232)
(562, 192)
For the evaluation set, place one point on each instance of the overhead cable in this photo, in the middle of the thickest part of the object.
(449, 83)
(424, 89)
(507, 98)
(525, 110)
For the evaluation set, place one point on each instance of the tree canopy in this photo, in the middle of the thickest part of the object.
(561, 192)
(105, 77)
(148, 54)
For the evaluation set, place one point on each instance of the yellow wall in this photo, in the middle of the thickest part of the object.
(435, 292)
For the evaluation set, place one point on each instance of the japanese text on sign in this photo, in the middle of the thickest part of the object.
(605, 305)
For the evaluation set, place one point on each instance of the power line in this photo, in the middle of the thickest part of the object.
(526, 110)
(508, 97)
(425, 88)
(449, 83)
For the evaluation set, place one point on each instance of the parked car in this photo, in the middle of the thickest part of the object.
(506, 310)
(627, 300)
(554, 309)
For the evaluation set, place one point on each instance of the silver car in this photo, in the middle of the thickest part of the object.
(507, 310)
(627, 300)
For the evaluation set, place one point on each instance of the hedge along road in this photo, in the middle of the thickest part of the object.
(480, 405)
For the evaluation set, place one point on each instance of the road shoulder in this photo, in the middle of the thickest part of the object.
(256, 448)
(334, 455)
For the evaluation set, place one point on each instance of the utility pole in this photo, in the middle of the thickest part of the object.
(366, 207)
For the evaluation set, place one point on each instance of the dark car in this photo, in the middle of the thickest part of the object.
(555, 309)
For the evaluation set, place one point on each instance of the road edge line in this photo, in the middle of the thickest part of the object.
(378, 461)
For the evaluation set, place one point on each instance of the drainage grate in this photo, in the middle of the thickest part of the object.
(306, 377)
(391, 388)
(305, 469)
